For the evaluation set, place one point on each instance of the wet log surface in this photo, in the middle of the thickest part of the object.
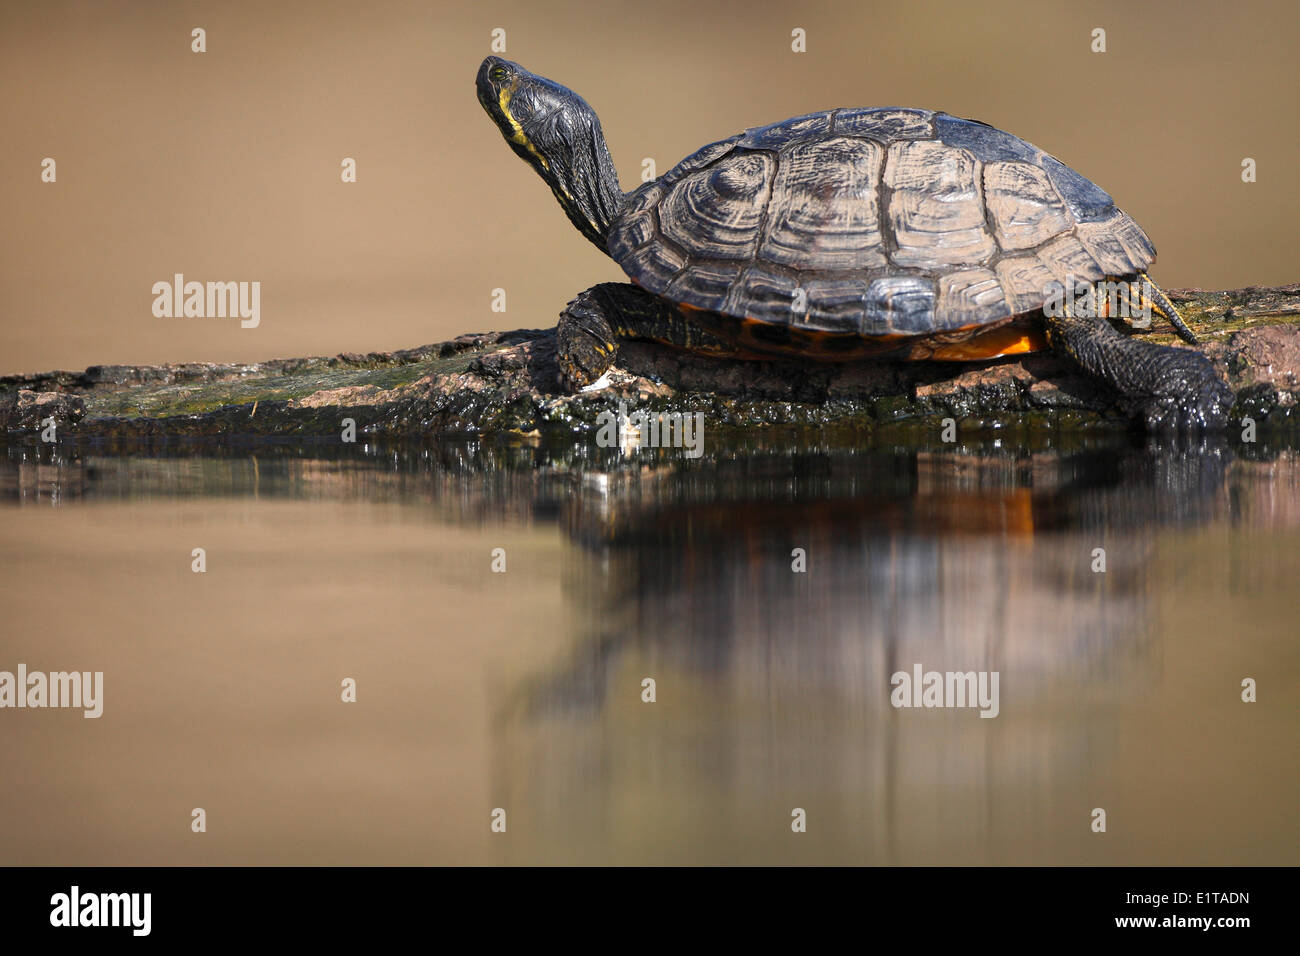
(503, 384)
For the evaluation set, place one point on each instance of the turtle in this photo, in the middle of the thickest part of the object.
(852, 234)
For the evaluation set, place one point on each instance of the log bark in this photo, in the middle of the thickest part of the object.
(503, 384)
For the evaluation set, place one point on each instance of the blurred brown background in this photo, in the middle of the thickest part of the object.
(225, 165)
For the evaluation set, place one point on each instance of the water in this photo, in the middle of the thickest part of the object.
(523, 690)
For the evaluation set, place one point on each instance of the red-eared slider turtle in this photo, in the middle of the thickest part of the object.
(852, 233)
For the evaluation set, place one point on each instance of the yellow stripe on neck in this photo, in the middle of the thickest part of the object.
(503, 100)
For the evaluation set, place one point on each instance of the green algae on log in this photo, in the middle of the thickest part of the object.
(495, 383)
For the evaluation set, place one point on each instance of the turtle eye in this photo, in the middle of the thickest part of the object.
(498, 73)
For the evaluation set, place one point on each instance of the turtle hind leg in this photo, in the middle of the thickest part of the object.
(592, 325)
(1172, 388)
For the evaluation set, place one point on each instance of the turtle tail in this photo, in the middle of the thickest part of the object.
(1160, 304)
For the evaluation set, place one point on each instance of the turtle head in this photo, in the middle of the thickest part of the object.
(554, 130)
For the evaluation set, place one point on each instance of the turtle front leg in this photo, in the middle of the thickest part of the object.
(592, 325)
(1171, 388)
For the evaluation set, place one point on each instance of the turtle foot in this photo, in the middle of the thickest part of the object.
(585, 344)
(1187, 394)
(1166, 387)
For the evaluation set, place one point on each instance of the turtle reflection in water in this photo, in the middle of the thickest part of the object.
(911, 555)
(772, 683)
(851, 234)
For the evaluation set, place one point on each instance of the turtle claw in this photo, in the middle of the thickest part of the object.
(579, 367)
(1189, 396)
(1163, 415)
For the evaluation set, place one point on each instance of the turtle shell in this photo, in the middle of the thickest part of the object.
(874, 222)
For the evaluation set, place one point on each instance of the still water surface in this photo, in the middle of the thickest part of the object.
(523, 690)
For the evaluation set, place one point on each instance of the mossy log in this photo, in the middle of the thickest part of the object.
(504, 384)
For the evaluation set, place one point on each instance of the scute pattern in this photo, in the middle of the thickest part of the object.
(824, 206)
(969, 297)
(1024, 280)
(1024, 208)
(884, 125)
(1118, 245)
(716, 212)
(1135, 242)
(935, 208)
(873, 221)
(902, 304)
(762, 291)
(1065, 258)
(834, 304)
(779, 135)
(1088, 202)
(986, 143)
(705, 282)
(657, 259)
